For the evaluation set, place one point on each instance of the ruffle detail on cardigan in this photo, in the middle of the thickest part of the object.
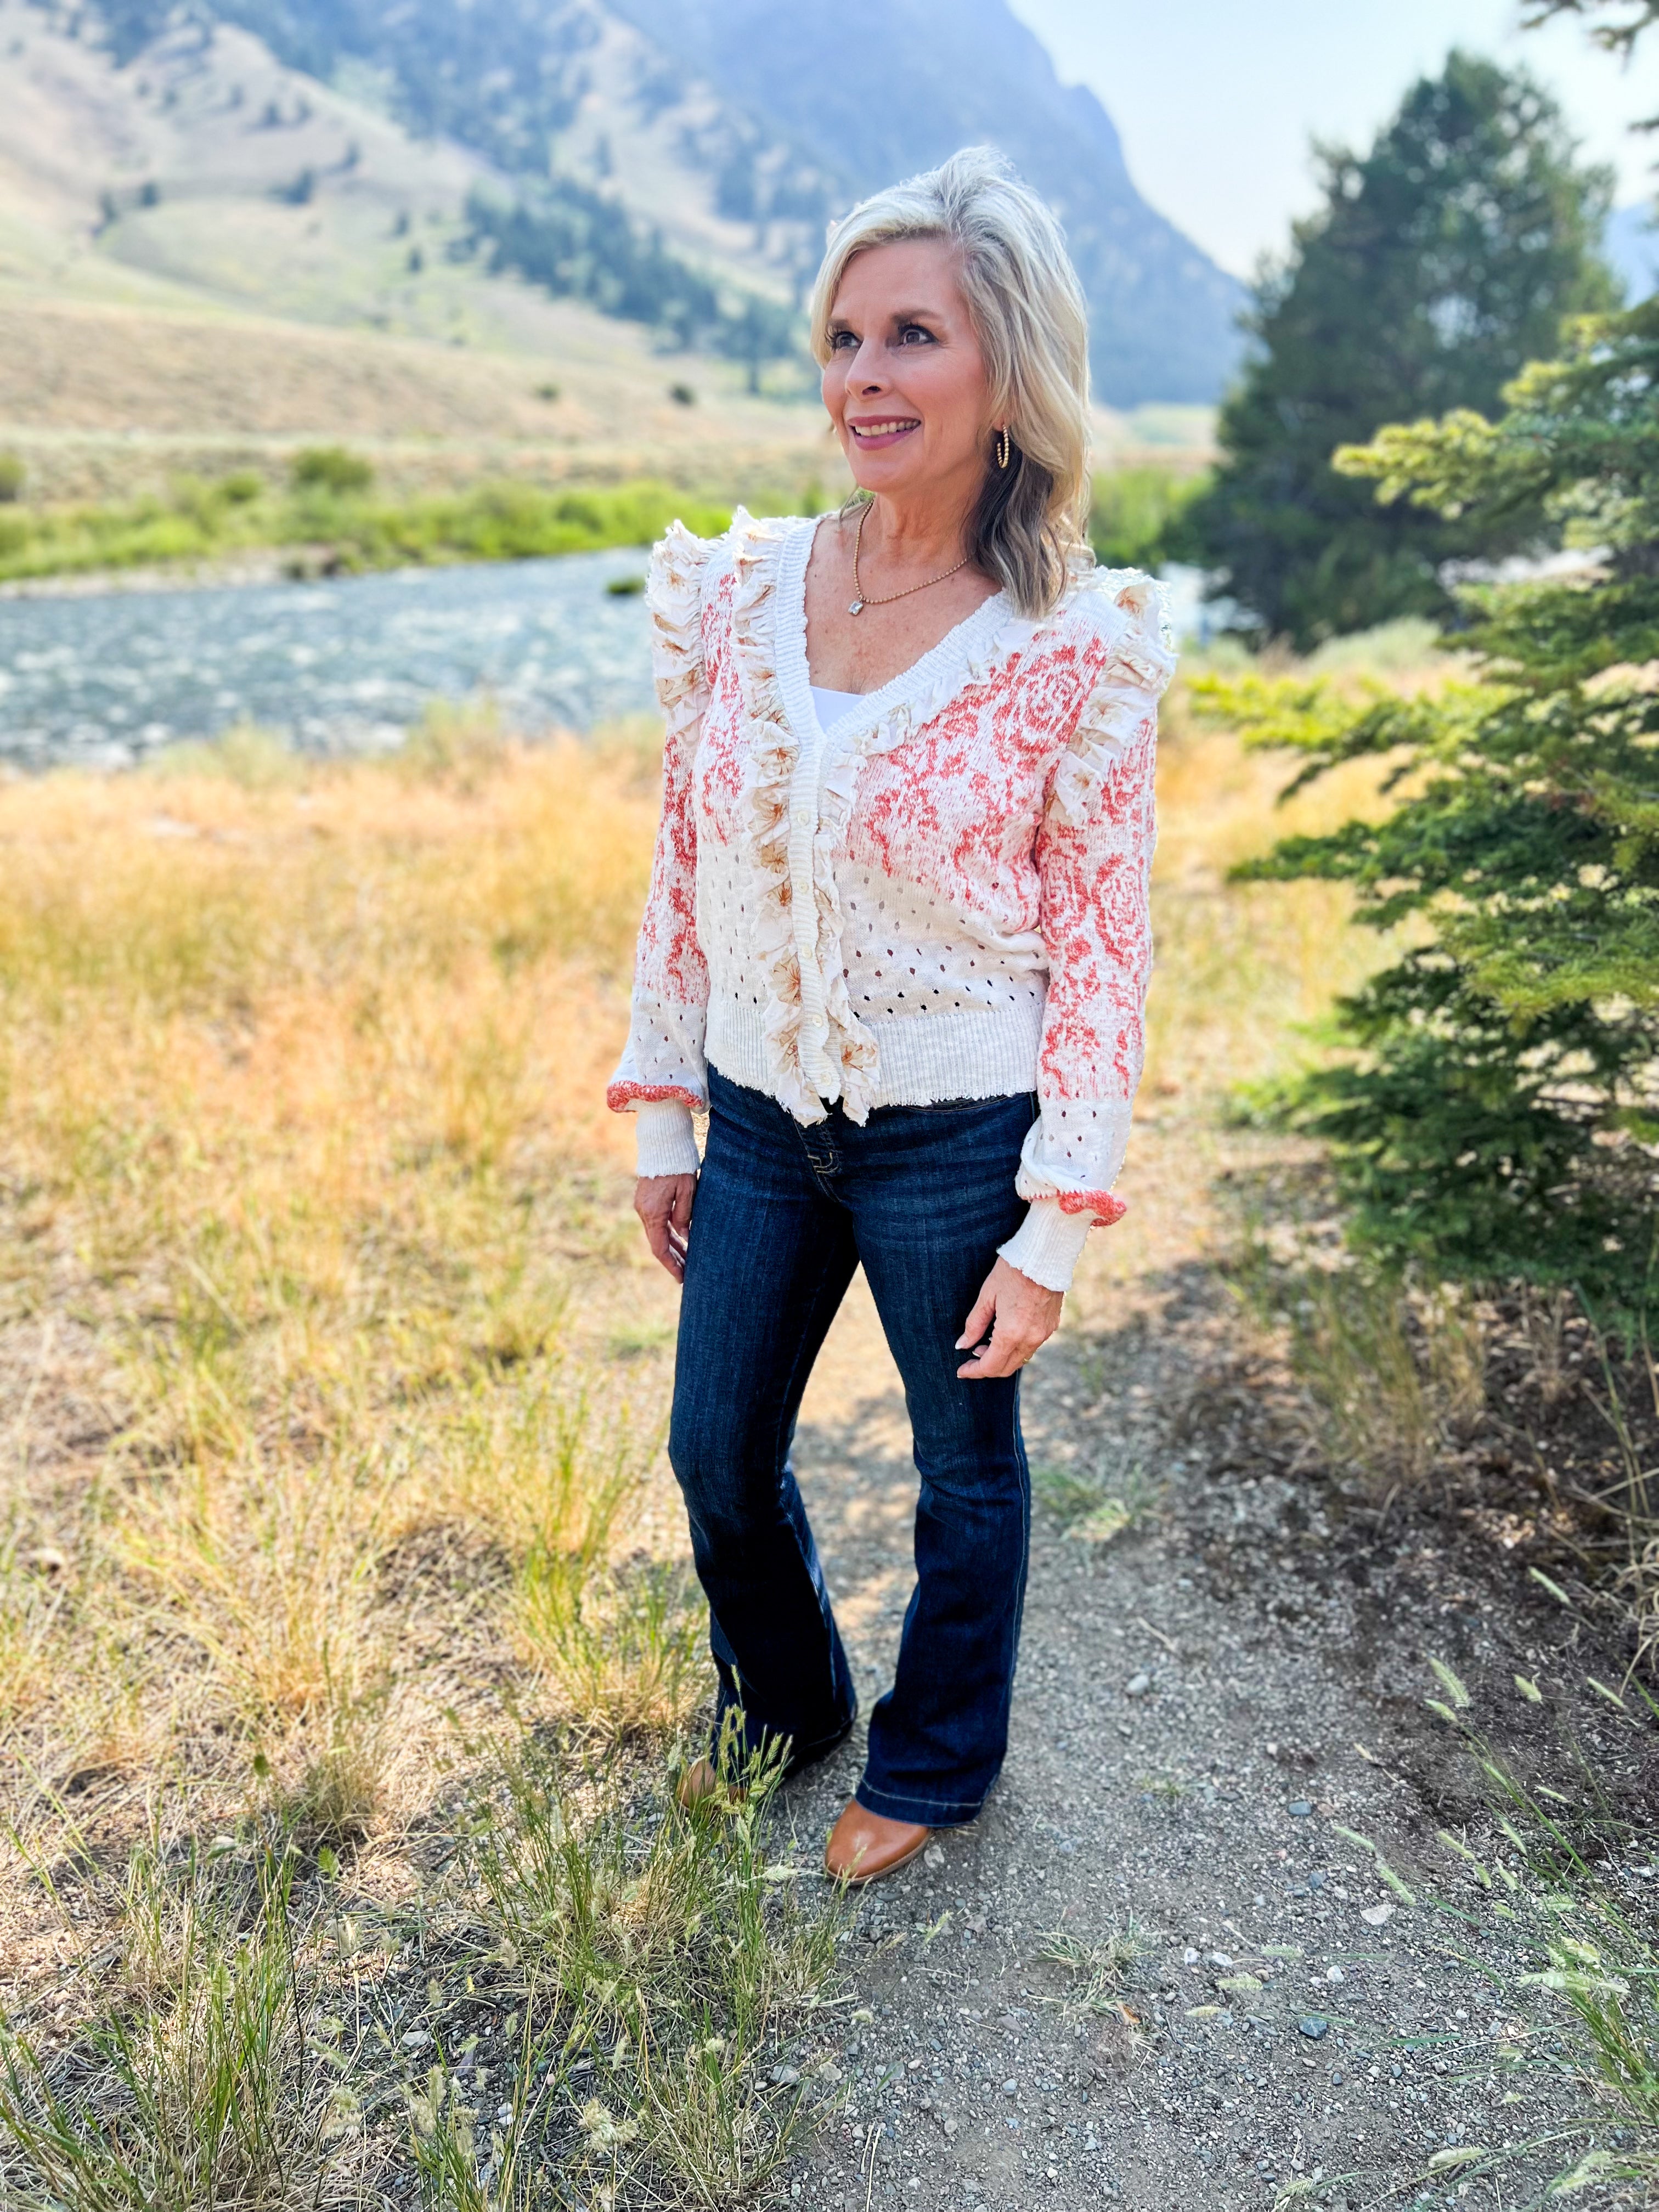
(840, 1037)
(673, 597)
(847, 1043)
(1132, 612)
(773, 749)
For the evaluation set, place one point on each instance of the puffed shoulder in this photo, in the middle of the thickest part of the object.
(674, 593)
(1130, 612)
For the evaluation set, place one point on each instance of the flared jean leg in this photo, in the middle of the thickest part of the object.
(768, 1260)
(939, 1737)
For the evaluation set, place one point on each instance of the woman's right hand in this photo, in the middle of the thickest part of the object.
(663, 1205)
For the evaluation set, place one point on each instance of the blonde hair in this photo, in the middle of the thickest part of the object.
(1028, 315)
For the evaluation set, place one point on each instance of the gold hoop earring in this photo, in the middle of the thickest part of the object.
(1004, 446)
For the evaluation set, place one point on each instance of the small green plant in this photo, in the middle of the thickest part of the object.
(1391, 1375)
(192, 2089)
(13, 476)
(623, 1644)
(1598, 1958)
(1096, 1972)
(1093, 1506)
(682, 395)
(464, 2167)
(256, 759)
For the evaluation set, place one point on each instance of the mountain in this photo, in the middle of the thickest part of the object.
(872, 90)
(736, 130)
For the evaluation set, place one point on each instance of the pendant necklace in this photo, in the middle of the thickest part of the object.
(860, 601)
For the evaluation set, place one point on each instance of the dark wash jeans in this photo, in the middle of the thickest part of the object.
(922, 1196)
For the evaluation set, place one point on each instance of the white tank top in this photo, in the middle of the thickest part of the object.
(831, 706)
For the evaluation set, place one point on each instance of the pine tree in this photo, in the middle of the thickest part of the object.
(1442, 262)
(1498, 1115)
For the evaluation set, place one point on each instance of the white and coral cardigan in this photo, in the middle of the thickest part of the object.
(943, 894)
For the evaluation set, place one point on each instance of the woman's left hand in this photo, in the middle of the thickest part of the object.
(1018, 1315)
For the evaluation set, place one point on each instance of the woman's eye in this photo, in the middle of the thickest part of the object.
(914, 332)
(840, 341)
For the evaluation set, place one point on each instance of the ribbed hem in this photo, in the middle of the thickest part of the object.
(922, 1059)
(1047, 1244)
(665, 1138)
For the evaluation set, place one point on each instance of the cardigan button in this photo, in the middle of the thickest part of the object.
(803, 817)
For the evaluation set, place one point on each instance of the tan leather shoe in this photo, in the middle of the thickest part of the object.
(700, 1785)
(864, 1845)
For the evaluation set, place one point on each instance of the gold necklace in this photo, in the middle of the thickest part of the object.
(859, 600)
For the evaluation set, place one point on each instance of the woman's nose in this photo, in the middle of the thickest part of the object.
(865, 373)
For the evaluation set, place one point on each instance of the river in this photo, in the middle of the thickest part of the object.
(101, 678)
(347, 665)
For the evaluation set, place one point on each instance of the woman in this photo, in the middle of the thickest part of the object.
(896, 944)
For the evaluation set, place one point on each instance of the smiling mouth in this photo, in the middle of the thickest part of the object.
(884, 433)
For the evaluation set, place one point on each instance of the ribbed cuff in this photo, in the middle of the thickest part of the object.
(1047, 1244)
(665, 1138)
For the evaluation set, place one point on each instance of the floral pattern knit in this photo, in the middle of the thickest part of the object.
(942, 896)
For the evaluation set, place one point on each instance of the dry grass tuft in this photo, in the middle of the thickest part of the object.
(1393, 1377)
(200, 2095)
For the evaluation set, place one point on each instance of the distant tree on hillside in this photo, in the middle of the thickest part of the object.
(1441, 263)
(578, 244)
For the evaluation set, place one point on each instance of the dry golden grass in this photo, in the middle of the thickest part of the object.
(1241, 967)
(301, 1082)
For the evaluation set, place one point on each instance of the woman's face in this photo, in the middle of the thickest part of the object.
(905, 384)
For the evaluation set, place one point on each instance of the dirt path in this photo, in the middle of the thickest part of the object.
(1203, 1706)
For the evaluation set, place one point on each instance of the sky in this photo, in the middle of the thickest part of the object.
(1217, 99)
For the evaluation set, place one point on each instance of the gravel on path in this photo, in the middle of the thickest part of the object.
(1219, 1733)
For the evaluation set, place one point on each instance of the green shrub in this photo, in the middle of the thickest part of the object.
(1496, 1115)
(492, 522)
(332, 469)
(1134, 513)
(12, 476)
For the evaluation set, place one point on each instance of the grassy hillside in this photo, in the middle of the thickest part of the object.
(167, 303)
(103, 401)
